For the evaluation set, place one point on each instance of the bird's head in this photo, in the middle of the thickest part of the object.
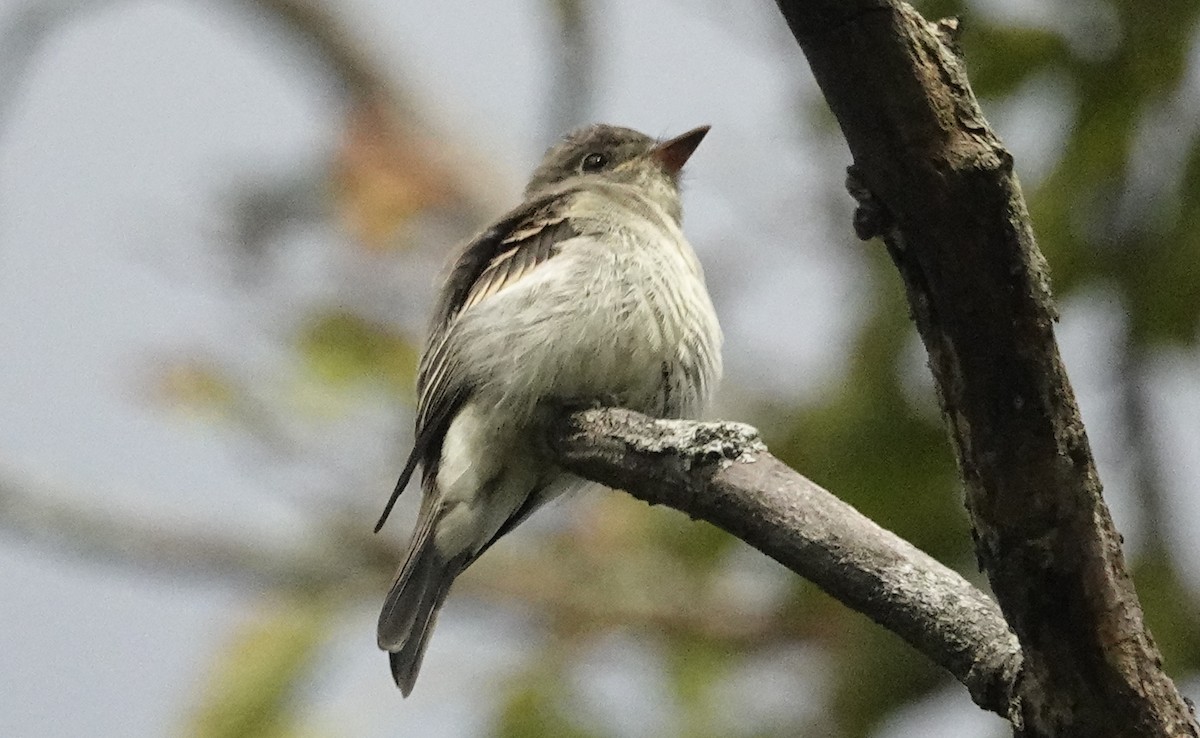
(619, 155)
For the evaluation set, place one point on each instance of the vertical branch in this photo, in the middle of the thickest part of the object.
(938, 185)
(571, 81)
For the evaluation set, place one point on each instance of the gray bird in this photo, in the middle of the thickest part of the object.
(586, 293)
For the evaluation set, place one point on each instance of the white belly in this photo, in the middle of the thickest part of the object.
(596, 323)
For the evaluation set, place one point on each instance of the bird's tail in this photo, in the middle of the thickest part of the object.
(412, 605)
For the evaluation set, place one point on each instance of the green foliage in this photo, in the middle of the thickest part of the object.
(877, 673)
(1002, 58)
(695, 665)
(538, 707)
(343, 349)
(1115, 208)
(871, 443)
(1170, 612)
(253, 683)
(699, 545)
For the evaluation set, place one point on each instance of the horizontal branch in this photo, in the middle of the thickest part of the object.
(723, 474)
(45, 515)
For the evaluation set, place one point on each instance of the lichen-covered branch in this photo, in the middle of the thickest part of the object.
(939, 186)
(722, 473)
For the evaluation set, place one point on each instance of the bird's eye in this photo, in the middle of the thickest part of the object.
(593, 162)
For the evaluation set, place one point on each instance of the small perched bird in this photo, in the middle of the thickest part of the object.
(587, 293)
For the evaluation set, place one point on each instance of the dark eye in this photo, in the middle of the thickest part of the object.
(594, 162)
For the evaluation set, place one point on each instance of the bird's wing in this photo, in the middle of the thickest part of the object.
(497, 258)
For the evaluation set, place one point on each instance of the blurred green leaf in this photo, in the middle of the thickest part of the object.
(343, 348)
(868, 444)
(1002, 58)
(536, 708)
(695, 543)
(255, 678)
(1170, 610)
(695, 665)
(877, 674)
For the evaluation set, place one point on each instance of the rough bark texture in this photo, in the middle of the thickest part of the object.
(938, 185)
(722, 473)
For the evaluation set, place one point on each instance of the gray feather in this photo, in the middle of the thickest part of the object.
(411, 607)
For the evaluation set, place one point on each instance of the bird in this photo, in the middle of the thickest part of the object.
(586, 294)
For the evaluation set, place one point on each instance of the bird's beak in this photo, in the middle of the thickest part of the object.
(673, 154)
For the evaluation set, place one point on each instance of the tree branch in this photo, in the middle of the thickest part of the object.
(45, 515)
(940, 189)
(723, 474)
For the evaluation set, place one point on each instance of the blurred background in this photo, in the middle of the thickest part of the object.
(220, 226)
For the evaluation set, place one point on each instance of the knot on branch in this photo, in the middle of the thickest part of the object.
(725, 441)
(871, 217)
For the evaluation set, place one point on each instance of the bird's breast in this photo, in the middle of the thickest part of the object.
(622, 317)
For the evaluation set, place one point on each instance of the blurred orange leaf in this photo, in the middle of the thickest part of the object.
(385, 174)
(196, 387)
